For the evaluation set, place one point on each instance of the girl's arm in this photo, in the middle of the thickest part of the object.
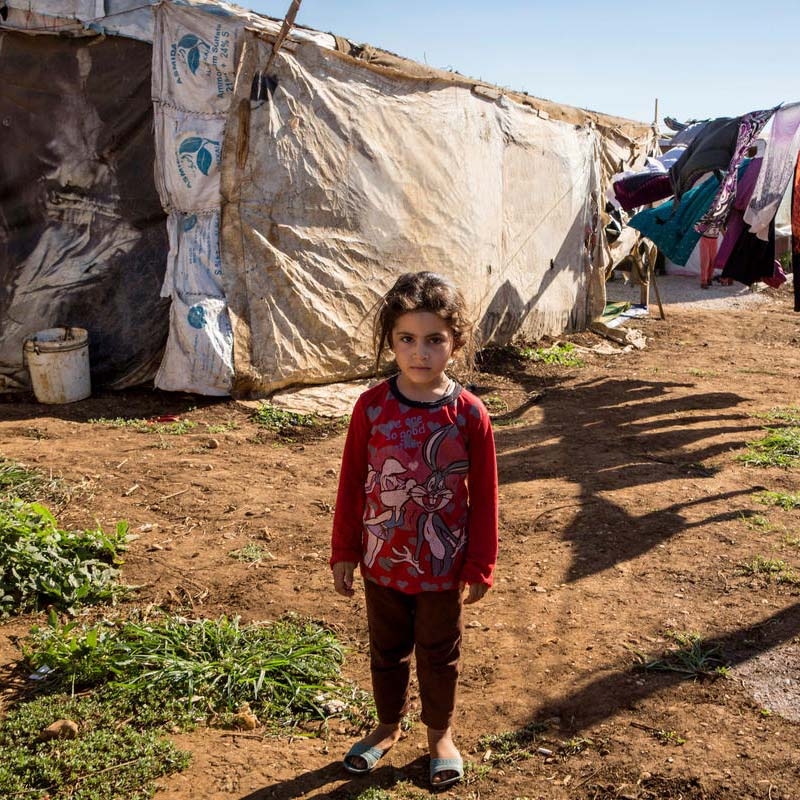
(481, 552)
(350, 498)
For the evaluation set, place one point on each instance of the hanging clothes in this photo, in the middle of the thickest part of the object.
(736, 224)
(641, 189)
(783, 144)
(710, 150)
(685, 131)
(750, 125)
(671, 229)
(752, 259)
(648, 185)
(796, 232)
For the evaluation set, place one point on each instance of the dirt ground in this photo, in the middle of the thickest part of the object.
(625, 517)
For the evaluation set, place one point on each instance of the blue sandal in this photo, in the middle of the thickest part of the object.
(370, 755)
(443, 765)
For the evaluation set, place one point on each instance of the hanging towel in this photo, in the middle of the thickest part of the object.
(783, 144)
(671, 229)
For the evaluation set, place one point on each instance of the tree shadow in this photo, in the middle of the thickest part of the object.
(607, 435)
(605, 696)
(383, 777)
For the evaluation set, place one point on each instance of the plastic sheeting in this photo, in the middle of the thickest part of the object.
(349, 175)
(82, 232)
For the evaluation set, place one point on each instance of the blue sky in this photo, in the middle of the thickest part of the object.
(700, 59)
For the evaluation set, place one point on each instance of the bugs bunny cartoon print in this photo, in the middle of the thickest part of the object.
(432, 496)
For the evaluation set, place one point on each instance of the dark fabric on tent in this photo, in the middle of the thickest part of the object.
(83, 238)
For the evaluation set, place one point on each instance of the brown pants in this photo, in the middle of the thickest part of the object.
(399, 624)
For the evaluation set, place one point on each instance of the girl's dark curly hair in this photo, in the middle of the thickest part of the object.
(423, 291)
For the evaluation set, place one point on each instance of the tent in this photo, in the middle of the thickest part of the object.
(220, 244)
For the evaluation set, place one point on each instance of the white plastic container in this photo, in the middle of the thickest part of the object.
(58, 362)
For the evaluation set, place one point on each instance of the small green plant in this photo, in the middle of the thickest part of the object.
(779, 448)
(563, 354)
(788, 501)
(756, 521)
(42, 565)
(171, 427)
(222, 427)
(769, 569)
(495, 404)
(575, 745)
(374, 793)
(252, 553)
(692, 657)
(511, 746)
(702, 373)
(669, 737)
(279, 419)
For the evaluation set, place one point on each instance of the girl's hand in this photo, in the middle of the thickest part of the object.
(343, 577)
(476, 592)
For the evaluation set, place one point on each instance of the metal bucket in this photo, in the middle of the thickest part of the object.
(58, 362)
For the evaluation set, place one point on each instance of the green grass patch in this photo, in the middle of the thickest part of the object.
(702, 373)
(284, 670)
(788, 501)
(172, 428)
(779, 448)
(252, 553)
(43, 565)
(222, 427)
(692, 657)
(113, 753)
(756, 521)
(769, 569)
(124, 685)
(790, 415)
(279, 419)
(18, 481)
(563, 354)
(575, 745)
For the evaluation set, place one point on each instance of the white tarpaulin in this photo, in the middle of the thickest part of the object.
(349, 175)
(286, 218)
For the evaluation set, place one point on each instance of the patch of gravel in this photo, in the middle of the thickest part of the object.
(772, 679)
(680, 291)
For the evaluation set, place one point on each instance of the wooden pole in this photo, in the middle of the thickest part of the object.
(288, 21)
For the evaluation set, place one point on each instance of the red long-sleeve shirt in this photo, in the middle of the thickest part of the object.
(417, 499)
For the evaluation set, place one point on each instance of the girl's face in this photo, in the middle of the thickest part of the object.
(422, 343)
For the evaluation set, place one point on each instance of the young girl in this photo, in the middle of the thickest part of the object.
(417, 510)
